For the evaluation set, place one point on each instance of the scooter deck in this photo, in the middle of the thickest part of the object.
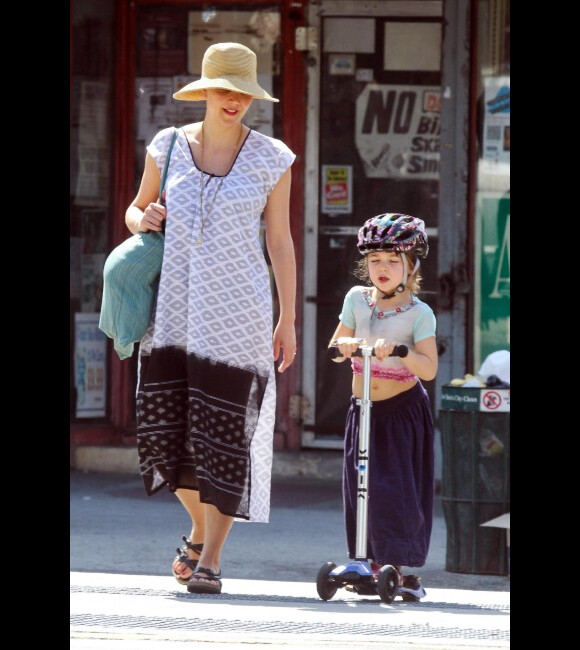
(357, 576)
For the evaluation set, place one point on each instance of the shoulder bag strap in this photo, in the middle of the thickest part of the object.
(164, 175)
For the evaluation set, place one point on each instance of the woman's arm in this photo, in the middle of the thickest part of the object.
(145, 213)
(281, 251)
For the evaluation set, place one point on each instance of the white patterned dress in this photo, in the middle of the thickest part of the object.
(206, 391)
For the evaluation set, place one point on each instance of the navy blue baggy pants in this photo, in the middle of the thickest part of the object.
(401, 478)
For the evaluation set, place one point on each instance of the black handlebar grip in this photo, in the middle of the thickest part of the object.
(400, 351)
(335, 352)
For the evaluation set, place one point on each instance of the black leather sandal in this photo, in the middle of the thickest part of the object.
(196, 586)
(182, 556)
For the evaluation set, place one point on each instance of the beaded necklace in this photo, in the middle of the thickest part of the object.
(199, 240)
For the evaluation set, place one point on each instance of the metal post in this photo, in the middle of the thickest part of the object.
(363, 457)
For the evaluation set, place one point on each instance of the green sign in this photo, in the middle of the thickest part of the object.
(493, 324)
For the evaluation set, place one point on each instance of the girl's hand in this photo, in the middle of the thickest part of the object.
(347, 345)
(152, 218)
(384, 347)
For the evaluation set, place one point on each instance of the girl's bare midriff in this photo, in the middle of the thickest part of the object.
(381, 388)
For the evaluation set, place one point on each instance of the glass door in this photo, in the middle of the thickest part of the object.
(378, 133)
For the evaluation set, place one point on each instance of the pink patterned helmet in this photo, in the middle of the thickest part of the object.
(395, 232)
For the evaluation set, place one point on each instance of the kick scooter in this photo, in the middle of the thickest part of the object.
(356, 575)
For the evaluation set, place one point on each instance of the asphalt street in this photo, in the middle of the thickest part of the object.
(123, 596)
(116, 528)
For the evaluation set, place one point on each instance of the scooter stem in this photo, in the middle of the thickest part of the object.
(363, 457)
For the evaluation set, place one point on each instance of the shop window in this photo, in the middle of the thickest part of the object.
(92, 59)
(492, 179)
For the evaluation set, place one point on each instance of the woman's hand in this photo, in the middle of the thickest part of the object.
(145, 213)
(153, 217)
(285, 340)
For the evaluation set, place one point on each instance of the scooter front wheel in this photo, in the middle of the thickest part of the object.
(324, 585)
(388, 583)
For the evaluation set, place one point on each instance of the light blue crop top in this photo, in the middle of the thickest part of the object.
(406, 324)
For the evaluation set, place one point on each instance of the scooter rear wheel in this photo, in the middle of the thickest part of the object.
(326, 589)
(388, 583)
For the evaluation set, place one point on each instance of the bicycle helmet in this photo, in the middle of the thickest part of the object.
(395, 232)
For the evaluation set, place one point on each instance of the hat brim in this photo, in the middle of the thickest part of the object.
(192, 92)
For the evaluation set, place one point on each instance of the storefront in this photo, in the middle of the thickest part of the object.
(127, 60)
(376, 102)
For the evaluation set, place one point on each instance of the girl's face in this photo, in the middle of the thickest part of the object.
(230, 105)
(385, 270)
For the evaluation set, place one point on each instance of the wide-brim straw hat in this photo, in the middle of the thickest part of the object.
(231, 66)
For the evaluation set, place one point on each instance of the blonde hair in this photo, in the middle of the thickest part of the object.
(361, 271)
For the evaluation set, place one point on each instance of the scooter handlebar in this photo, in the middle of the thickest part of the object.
(398, 351)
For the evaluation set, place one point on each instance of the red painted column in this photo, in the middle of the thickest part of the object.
(121, 386)
(294, 135)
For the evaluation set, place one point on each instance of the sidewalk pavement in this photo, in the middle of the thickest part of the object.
(112, 608)
(129, 612)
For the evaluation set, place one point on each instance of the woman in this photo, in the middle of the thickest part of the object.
(206, 388)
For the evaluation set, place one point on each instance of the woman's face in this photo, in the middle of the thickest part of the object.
(385, 270)
(230, 105)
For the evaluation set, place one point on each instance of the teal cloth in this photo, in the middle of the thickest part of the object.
(130, 280)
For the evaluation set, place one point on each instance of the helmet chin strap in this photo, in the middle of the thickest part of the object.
(398, 290)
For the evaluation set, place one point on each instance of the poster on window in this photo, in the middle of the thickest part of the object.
(89, 362)
(496, 124)
(93, 256)
(336, 189)
(155, 106)
(156, 109)
(75, 266)
(398, 131)
(93, 152)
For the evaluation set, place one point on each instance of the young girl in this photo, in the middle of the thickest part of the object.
(401, 467)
